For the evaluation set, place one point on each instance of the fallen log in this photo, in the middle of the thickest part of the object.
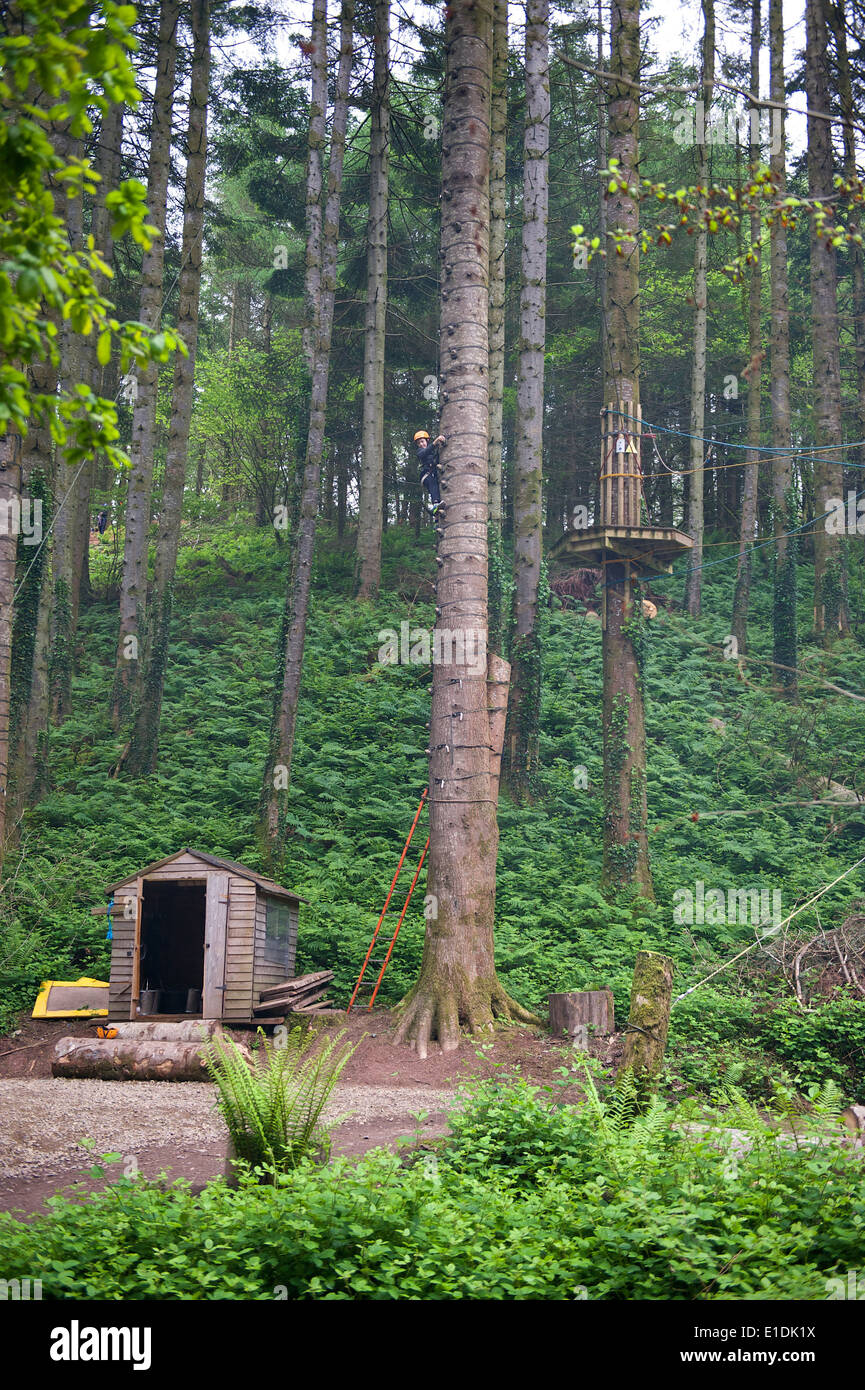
(124, 1059)
(191, 1030)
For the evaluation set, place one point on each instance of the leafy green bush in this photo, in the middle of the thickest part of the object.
(530, 1202)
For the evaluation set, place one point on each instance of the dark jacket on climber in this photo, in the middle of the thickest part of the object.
(428, 462)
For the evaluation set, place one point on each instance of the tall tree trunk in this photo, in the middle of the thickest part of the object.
(742, 593)
(133, 590)
(498, 618)
(241, 315)
(277, 772)
(784, 507)
(521, 739)
(603, 139)
(33, 638)
(315, 183)
(458, 982)
(854, 216)
(10, 499)
(626, 855)
(69, 476)
(344, 463)
(144, 739)
(30, 693)
(498, 208)
(369, 522)
(829, 606)
(102, 378)
(694, 581)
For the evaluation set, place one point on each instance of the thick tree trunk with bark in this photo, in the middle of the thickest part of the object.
(144, 739)
(742, 595)
(277, 772)
(498, 147)
(829, 600)
(784, 507)
(133, 591)
(458, 982)
(521, 740)
(369, 522)
(626, 857)
(498, 618)
(694, 581)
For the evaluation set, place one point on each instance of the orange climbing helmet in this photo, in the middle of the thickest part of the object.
(421, 434)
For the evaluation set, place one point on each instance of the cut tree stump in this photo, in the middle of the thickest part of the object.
(582, 1012)
(649, 1019)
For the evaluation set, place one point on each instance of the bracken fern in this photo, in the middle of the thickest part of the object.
(273, 1108)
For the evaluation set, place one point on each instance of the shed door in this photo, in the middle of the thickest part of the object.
(214, 945)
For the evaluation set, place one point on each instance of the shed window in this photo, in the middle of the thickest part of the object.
(278, 922)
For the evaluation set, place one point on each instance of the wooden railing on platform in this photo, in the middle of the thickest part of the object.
(621, 472)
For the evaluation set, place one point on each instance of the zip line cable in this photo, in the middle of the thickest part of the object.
(726, 559)
(763, 449)
(773, 932)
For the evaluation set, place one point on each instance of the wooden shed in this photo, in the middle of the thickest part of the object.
(194, 936)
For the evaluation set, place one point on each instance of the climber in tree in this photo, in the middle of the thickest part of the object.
(428, 461)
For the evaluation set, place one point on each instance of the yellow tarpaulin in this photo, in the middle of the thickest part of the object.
(82, 998)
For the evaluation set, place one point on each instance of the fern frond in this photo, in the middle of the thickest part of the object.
(273, 1107)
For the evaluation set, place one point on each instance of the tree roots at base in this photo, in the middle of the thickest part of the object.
(436, 1009)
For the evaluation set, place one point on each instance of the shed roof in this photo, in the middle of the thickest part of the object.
(267, 885)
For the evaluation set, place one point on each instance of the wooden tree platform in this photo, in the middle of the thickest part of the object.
(647, 549)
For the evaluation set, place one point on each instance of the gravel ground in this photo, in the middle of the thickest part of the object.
(42, 1121)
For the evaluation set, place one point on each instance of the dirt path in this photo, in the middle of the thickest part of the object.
(160, 1127)
(175, 1129)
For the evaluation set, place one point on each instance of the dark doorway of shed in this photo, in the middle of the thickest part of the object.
(172, 949)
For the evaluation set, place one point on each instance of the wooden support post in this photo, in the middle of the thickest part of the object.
(580, 1011)
(649, 1019)
(498, 684)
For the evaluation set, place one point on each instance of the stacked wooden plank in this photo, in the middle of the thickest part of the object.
(302, 995)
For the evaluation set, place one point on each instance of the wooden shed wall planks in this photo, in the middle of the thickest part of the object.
(240, 949)
(122, 961)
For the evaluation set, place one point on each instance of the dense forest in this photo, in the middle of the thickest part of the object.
(463, 406)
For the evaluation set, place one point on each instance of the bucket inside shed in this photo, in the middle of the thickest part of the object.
(172, 948)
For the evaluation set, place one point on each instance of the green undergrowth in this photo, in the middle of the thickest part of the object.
(716, 744)
(527, 1201)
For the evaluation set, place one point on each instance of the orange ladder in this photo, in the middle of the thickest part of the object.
(383, 962)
